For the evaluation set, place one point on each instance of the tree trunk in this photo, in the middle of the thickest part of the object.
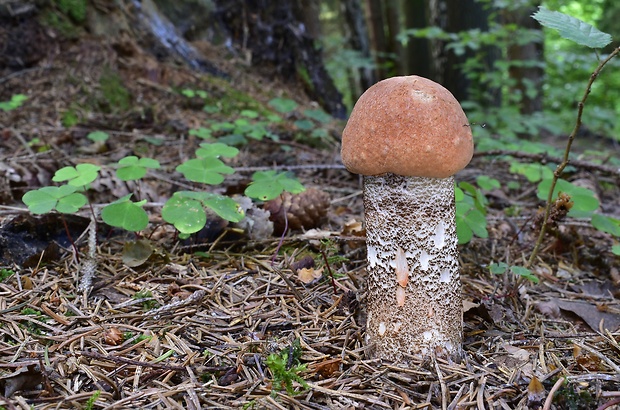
(393, 12)
(359, 41)
(417, 55)
(283, 34)
(377, 35)
(528, 78)
(463, 15)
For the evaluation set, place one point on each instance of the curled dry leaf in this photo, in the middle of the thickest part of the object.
(309, 275)
(327, 367)
(24, 378)
(535, 393)
(113, 336)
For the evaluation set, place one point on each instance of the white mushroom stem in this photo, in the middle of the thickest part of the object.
(414, 216)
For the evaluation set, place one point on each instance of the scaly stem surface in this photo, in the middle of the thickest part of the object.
(414, 291)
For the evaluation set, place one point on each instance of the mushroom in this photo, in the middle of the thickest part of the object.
(408, 136)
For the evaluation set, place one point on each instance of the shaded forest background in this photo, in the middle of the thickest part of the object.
(509, 74)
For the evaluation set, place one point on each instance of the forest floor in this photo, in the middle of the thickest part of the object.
(216, 324)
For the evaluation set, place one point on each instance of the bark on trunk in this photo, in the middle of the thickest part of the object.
(410, 228)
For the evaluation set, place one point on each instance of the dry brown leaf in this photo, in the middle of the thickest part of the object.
(516, 352)
(113, 336)
(535, 393)
(24, 378)
(308, 275)
(591, 314)
(327, 367)
(469, 305)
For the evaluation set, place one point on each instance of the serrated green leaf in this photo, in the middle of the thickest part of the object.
(127, 215)
(205, 170)
(186, 214)
(572, 28)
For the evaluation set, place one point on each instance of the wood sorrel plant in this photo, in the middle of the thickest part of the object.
(185, 209)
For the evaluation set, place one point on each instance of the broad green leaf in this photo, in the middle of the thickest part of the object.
(249, 113)
(584, 200)
(477, 222)
(606, 224)
(318, 115)
(98, 136)
(487, 183)
(458, 194)
(268, 185)
(201, 132)
(304, 125)
(44, 200)
(216, 149)
(132, 167)
(186, 214)
(283, 105)
(615, 249)
(524, 272)
(80, 175)
(222, 205)
(206, 170)
(572, 28)
(71, 203)
(126, 214)
(225, 207)
(533, 172)
(498, 268)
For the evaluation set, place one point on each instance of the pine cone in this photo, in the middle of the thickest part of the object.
(304, 210)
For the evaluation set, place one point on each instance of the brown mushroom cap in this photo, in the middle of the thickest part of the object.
(409, 126)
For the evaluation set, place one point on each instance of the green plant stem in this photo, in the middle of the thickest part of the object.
(565, 159)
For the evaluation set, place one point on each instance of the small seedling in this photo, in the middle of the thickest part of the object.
(501, 268)
(16, 101)
(146, 296)
(63, 199)
(90, 403)
(285, 368)
(6, 273)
